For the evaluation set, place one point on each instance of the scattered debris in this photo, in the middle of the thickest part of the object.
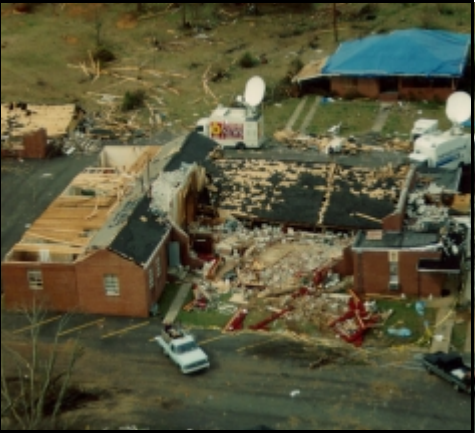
(400, 332)
(349, 145)
(352, 325)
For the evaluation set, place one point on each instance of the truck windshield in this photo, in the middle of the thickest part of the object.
(187, 347)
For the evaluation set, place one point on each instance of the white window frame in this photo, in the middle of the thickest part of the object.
(35, 279)
(111, 285)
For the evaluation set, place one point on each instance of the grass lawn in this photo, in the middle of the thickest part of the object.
(404, 316)
(357, 116)
(211, 319)
(401, 119)
(42, 53)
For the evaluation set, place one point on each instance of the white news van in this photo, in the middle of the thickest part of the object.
(423, 127)
(237, 128)
(448, 150)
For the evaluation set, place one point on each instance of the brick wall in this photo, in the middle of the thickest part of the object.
(134, 295)
(59, 291)
(429, 93)
(345, 267)
(370, 88)
(372, 274)
(393, 222)
(35, 144)
(413, 282)
(159, 275)
(431, 284)
(351, 87)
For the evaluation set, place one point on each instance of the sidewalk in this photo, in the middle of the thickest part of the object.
(382, 117)
(178, 302)
(443, 331)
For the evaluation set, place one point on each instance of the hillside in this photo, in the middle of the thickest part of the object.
(92, 54)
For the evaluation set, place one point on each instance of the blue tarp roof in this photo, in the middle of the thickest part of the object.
(412, 52)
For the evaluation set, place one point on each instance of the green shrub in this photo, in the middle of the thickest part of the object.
(248, 60)
(103, 55)
(295, 67)
(445, 9)
(133, 100)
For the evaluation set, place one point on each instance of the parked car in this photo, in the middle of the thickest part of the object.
(450, 367)
(182, 349)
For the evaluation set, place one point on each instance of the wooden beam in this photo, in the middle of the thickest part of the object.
(366, 217)
(32, 235)
(53, 249)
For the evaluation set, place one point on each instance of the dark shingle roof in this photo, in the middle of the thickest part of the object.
(139, 238)
(398, 241)
(195, 149)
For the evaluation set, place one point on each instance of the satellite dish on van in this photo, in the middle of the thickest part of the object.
(255, 90)
(459, 107)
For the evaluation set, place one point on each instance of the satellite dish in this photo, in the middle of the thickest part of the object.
(255, 90)
(459, 107)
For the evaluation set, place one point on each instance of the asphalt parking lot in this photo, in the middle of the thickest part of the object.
(254, 379)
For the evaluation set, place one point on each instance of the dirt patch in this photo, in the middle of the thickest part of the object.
(127, 21)
(6, 12)
(86, 10)
(71, 40)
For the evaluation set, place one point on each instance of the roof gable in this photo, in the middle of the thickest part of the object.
(141, 235)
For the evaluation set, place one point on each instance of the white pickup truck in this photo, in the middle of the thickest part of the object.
(182, 349)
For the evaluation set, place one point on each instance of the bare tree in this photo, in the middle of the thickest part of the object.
(30, 383)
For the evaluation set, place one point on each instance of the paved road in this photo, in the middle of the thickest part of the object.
(250, 383)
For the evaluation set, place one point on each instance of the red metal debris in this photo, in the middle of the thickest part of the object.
(352, 326)
(237, 321)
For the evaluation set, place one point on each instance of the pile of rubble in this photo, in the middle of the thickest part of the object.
(165, 188)
(283, 273)
(336, 144)
(426, 209)
(80, 142)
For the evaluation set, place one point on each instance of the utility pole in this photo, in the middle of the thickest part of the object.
(335, 23)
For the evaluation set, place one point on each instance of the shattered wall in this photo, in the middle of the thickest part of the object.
(174, 193)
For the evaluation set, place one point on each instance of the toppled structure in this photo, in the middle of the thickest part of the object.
(266, 266)
(30, 131)
(174, 193)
